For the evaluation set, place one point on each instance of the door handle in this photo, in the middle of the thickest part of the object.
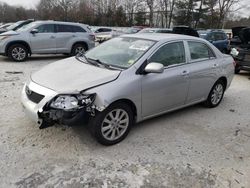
(215, 65)
(73, 36)
(185, 73)
(52, 37)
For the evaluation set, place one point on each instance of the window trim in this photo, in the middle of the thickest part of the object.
(77, 26)
(61, 24)
(201, 59)
(169, 42)
(46, 24)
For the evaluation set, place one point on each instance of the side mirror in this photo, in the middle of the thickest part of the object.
(154, 68)
(34, 31)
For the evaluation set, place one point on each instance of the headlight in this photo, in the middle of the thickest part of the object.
(69, 102)
(234, 52)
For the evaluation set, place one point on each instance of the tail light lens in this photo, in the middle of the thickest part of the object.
(92, 37)
(234, 63)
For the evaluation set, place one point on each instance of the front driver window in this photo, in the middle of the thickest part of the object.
(169, 54)
(47, 28)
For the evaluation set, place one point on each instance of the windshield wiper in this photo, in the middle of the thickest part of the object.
(79, 56)
(103, 64)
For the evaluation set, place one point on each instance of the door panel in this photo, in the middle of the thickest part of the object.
(202, 76)
(162, 92)
(64, 36)
(203, 71)
(45, 40)
(167, 90)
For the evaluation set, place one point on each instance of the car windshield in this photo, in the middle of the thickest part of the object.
(131, 30)
(27, 27)
(13, 26)
(203, 34)
(148, 31)
(120, 52)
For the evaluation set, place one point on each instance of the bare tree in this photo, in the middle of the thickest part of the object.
(224, 8)
(150, 4)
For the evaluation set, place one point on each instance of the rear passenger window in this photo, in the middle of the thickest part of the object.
(200, 51)
(78, 29)
(46, 28)
(64, 29)
(169, 54)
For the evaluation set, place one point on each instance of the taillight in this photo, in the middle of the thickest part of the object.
(234, 63)
(92, 37)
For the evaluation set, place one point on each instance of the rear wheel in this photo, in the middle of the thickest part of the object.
(113, 124)
(78, 49)
(18, 52)
(216, 94)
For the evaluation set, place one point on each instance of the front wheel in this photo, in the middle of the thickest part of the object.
(216, 94)
(113, 124)
(18, 52)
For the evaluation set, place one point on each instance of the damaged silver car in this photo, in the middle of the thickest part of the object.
(126, 80)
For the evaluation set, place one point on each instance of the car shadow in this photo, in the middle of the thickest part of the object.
(84, 134)
(37, 58)
(244, 73)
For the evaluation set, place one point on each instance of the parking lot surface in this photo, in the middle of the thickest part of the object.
(193, 147)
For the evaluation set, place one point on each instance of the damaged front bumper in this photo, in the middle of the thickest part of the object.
(37, 100)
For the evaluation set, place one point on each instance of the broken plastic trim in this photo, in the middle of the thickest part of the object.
(50, 115)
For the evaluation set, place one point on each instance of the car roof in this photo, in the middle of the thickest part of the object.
(59, 22)
(156, 28)
(210, 30)
(162, 36)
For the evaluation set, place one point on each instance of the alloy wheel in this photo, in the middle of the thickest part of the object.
(18, 53)
(79, 50)
(217, 94)
(115, 124)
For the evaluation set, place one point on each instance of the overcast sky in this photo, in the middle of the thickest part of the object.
(244, 12)
(24, 3)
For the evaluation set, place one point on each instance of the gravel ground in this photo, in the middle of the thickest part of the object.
(193, 147)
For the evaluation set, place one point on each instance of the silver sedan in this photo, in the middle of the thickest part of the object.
(127, 80)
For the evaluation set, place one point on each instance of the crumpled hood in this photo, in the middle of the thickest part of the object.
(71, 75)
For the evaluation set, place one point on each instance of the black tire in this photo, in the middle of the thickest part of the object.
(75, 49)
(211, 102)
(96, 124)
(18, 52)
(237, 70)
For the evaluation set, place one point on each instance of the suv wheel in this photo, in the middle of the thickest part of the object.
(113, 124)
(78, 49)
(216, 94)
(18, 52)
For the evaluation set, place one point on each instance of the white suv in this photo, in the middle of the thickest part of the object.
(46, 37)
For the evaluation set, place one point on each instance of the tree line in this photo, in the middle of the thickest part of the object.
(123, 13)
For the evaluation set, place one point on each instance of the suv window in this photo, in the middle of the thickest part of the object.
(170, 54)
(46, 28)
(219, 36)
(103, 30)
(199, 51)
(64, 28)
(78, 29)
